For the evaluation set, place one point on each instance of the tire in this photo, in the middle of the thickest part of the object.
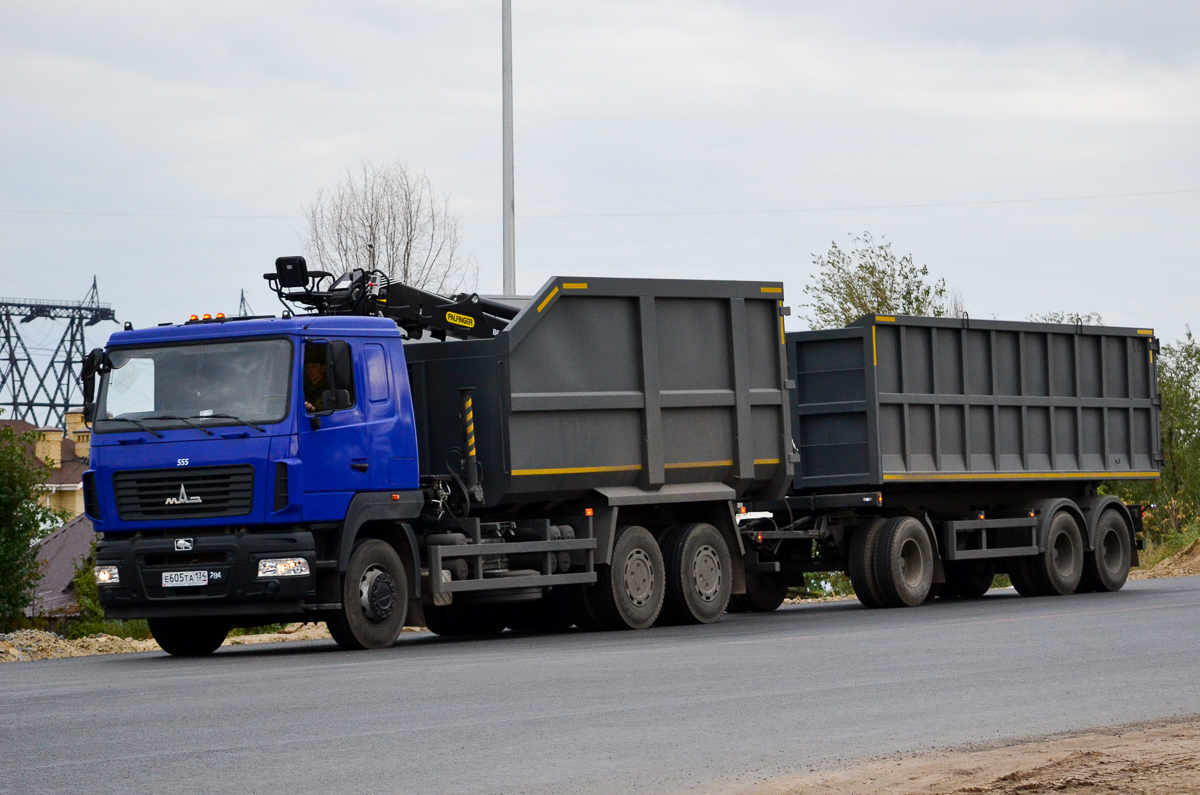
(629, 593)
(188, 637)
(1019, 572)
(1106, 568)
(903, 562)
(374, 598)
(699, 574)
(765, 592)
(463, 621)
(1058, 570)
(969, 579)
(862, 562)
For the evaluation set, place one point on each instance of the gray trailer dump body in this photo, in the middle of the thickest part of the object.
(892, 400)
(643, 390)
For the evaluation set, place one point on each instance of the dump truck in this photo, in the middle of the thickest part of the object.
(935, 453)
(391, 456)
(610, 454)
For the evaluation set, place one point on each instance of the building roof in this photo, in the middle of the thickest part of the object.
(59, 555)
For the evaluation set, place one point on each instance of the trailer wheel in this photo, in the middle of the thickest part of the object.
(374, 598)
(1106, 568)
(1056, 571)
(903, 562)
(862, 562)
(765, 592)
(629, 593)
(969, 579)
(188, 637)
(699, 569)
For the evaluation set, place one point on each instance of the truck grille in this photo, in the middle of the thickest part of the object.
(184, 494)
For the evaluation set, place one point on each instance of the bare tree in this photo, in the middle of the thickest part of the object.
(1073, 318)
(388, 218)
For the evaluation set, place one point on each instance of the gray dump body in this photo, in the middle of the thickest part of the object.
(634, 384)
(891, 400)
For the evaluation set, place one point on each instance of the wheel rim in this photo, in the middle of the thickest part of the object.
(1064, 555)
(912, 563)
(639, 577)
(1112, 551)
(706, 573)
(377, 594)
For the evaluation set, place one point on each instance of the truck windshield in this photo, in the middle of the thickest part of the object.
(212, 383)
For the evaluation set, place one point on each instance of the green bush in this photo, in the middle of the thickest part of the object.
(91, 618)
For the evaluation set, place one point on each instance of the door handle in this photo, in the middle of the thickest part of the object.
(359, 466)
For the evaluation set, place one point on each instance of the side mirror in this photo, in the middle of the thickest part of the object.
(335, 399)
(291, 272)
(95, 362)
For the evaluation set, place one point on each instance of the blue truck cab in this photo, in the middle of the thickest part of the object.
(227, 455)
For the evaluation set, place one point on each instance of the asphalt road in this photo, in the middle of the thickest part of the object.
(669, 709)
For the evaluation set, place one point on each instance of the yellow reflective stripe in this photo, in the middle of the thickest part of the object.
(574, 285)
(698, 464)
(884, 319)
(542, 305)
(874, 348)
(471, 428)
(576, 470)
(1018, 475)
(763, 461)
(772, 289)
(1146, 331)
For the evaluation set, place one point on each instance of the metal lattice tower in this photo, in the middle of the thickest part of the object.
(244, 309)
(42, 394)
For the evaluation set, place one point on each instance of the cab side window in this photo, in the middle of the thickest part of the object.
(328, 376)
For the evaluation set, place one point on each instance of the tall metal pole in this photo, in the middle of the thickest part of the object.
(510, 228)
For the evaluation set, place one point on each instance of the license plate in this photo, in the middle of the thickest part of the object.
(183, 579)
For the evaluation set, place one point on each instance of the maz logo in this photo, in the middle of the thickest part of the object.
(182, 499)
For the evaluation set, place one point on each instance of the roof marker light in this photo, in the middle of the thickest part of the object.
(194, 317)
(207, 316)
(220, 316)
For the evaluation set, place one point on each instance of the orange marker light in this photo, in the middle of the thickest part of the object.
(207, 316)
(194, 317)
(588, 512)
(741, 509)
(395, 497)
(220, 315)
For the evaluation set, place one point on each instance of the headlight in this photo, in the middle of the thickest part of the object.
(107, 575)
(283, 567)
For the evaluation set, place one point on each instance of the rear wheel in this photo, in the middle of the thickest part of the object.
(629, 593)
(969, 579)
(188, 637)
(1106, 568)
(698, 567)
(374, 598)
(903, 562)
(862, 562)
(1057, 571)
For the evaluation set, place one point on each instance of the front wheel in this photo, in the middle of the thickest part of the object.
(374, 598)
(188, 637)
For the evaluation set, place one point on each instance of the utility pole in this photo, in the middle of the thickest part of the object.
(510, 230)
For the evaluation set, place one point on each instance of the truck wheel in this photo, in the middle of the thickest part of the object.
(188, 637)
(374, 598)
(903, 562)
(1106, 568)
(862, 562)
(1057, 571)
(765, 592)
(629, 593)
(699, 570)
(458, 621)
(969, 579)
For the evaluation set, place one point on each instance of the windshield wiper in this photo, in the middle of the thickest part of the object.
(135, 422)
(229, 417)
(186, 421)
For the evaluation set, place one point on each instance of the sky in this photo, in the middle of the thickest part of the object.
(1039, 156)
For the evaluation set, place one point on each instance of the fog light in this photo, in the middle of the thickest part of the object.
(283, 567)
(107, 575)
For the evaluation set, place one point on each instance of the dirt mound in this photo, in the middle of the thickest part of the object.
(32, 644)
(1185, 563)
(1161, 758)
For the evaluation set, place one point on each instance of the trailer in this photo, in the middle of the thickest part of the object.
(935, 453)
(391, 456)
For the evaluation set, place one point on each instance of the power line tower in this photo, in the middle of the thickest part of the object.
(244, 309)
(42, 395)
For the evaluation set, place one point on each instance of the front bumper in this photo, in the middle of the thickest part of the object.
(234, 588)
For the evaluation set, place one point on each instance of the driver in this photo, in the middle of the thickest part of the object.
(316, 382)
